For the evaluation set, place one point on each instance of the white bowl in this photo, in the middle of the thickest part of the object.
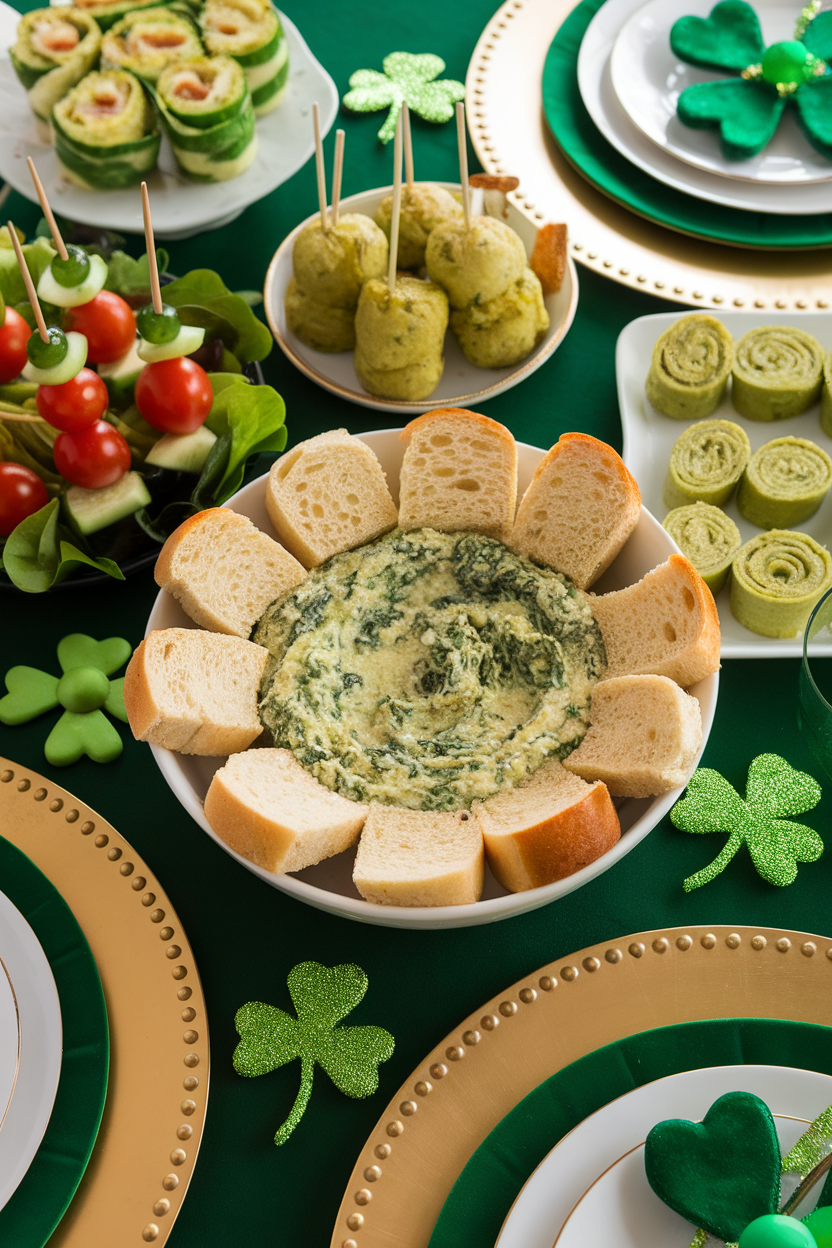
(329, 886)
(462, 384)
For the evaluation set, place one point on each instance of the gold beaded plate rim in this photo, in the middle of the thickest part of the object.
(159, 1051)
(510, 136)
(545, 1021)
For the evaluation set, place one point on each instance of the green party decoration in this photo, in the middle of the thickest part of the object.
(776, 845)
(820, 1224)
(84, 691)
(269, 1038)
(407, 78)
(774, 1230)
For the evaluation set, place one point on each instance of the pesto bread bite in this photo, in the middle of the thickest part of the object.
(419, 858)
(475, 261)
(424, 205)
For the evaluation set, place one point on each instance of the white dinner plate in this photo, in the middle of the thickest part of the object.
(649, 439)
(564, 1199)
(648, 80)
(9, 1040)
(39, 1068)
(601, 102)
(180, 207)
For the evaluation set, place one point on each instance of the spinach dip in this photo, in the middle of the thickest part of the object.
(428, 669)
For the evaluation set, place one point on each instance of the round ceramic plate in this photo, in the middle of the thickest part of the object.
(648, 80)
(329, 885)
(9, 1041)
(461, 384)
(180, 207)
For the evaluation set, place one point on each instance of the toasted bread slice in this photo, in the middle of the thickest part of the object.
(419, 857)
(328, 495)
(666, 624)
(195, 692)
(643, 739)
(459, 472)
(549, 257)
(224, 572)
(265, 806)
(580, 508)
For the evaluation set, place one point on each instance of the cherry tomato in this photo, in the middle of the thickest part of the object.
(22, 493)
(107, 323)
(14, 334)
(94, 457)
(76, 404)
(174, 396)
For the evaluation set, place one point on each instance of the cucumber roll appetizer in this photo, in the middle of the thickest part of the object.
(108, 12)
(106, 135)
(206, 107)
(55, 48)
(250, 31)
(147, 41)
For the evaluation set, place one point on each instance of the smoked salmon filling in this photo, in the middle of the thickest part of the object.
(207, 112)
(147, 41)
(250, 32)
(106, 134)
(55, 48)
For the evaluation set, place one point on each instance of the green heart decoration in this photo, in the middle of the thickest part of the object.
(78, 650)
(729, 39)
(31, 693)
(745, 113)
(76, 734)
(720, 1173)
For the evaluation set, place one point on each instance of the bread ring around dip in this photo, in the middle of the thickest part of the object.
(784, 484)
(706, 463)
(776, 580)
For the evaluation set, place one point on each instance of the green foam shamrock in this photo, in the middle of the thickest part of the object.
(407, 77)
(83, 690)
(747, 110)
(776, 845)
(269, 1038)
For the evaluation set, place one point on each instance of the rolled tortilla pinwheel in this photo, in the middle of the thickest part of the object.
(785, 482)
(250, 31)
(106, 134)
(206, 109)
(777, 372)
(147, 41)
(690, 368)
(826, 397)
(706, 463)
(55, 48)
(776, 579)
(708, 538)
(108, 12)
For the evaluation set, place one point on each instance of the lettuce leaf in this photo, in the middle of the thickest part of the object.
(247, 420)
(39, 256)
(38, 553)
(126, 276)
(202, 298)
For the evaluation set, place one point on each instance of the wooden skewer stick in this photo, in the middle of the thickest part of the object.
(319, 165)
(397, 207)
(408, 147)
(60, 245)
(155, 288)
(28, 283)
(337, 171)
(463, 162)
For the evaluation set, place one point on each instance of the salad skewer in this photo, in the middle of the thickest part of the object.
(60, 245)
(319, 167)
(28, 283)
(150, 244)
(337, 171)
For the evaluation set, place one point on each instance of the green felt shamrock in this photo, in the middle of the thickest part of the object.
(776, 845)
(407, 78)
(83, 690)
(747, 110)
(269, 1038)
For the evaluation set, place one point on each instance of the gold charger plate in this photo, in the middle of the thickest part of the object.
(144, 1157)
(510, 136)
(546, 1021)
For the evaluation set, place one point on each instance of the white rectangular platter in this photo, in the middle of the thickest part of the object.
(649, 439)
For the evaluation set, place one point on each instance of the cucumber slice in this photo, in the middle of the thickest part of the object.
(189, 338)
(183, 452)
(50, 291)
(69, 367)
(120, 376)
(91, 510)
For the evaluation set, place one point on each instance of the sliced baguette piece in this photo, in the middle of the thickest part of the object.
(419, 857)
(547, 828)
(666, 624)
(328, 495)
(459, 472)
(224, 572)
(581, 506)
(195, 692)
(643, 739)
(265, 806)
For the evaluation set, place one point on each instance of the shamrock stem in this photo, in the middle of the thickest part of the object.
(719, 864)
(307, 1070)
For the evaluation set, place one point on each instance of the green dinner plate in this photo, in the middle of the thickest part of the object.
(486, 1189)
(599, 162)
(37, 1206)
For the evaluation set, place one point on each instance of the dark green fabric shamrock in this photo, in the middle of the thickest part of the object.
(269, 1038)
(407, 78)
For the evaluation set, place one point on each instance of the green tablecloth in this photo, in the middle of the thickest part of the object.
(246, 935)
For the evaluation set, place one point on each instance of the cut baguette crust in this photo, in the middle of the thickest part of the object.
(195, 692)
(666, 624)
(224, 571)
(581, 506)
(459, 472)
(419, 857)
(643, 739)
(328, 495)
(548, 828)
(549, 257)
(265, 806)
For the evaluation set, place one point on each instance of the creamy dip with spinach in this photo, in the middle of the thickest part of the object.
(428, 669)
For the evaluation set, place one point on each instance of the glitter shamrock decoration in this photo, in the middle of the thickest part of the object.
(747, 110)
(84, 691)
(407, 77)
(776, 845)
(269, 1038)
